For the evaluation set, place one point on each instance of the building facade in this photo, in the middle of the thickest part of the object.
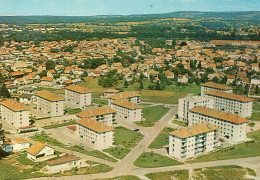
(78, 96)
(210, 86)
(14, 113)
(50, 103)
(128, 96)
(231, 103)
(192, 140)
(231, 127)
(190, 102)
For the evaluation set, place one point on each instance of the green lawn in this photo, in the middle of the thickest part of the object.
(128, 177)
(256, 106)
(186, 88)
(59, 125)
(152, 115)
(100, 102)
(92, 84)
(231, 172)
(255, 116)
(176, 175)
(126, 138)
(152, 160)
(162, 139)
(117, 152)
(180, 123)
(24, 160)
(249, 149)
(72, 111)
(45, 138)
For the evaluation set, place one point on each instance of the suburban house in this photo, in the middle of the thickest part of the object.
(78, 96)
(99, 135)
(209, 86)
(50, 103)
(47, 81)
(193, 140)
(14, 113)
(110, 92)
(16, 145)
(39, 149)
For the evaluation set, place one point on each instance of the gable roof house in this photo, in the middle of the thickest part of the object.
(39, 149)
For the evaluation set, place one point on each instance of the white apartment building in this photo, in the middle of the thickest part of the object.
(190, 102)
(50, 103)
(210, 86)
(231, 103)
(95, 133)
(231, 127)
(78, 96)
(130, 96)
(14, 113)
(192, 140)
(127, 110)
(105, 115)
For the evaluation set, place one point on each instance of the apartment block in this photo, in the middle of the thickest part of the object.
(210, 86)
(127, 110)
(78, 96)
(192, 140)
(95, 133)
(231, 127)
(190, 102)
(231, 103)
(130, 96)
(105, 115)
(50, 103)
(14, 113)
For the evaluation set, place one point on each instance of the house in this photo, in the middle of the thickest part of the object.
(49, 103)
(64, 163)
(47, 81)
(255, 67)
(16, 74)
(231, 127)
(230, 78)
(193, 140)
(110, 92)
(14, 113)
(26, 90)
(183, 78)
(27, 98)
(104, 114)
(169, 74)
(78, 96)
(39, 149)
(127, 110)
(255, 80)
(19, 66)
(16, 145)
(209, 86)
(12, 88)
(95, 133)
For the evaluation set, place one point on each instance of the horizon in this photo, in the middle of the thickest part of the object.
(119, 8)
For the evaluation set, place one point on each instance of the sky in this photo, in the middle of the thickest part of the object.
(120, 7)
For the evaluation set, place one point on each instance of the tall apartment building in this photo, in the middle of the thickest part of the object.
(104, 114)
(190, 102)
(231, 127)
(231, 103)
(210, 86)
(14, 113)
(95, 133)
(50, 103)
(130, 96)
(127, 110)
(78, 96)
(192, 140)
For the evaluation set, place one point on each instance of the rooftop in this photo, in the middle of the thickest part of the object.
(96, 112)
(14, 105)
(49, 96)
(126, 104)
(36, 148)
(124, 95)
(77, 89)
(217, 86)
(62, 160)
(94, 125)
(229, 96)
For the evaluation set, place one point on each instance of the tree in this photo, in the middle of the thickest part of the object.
(43, 73)
(158, 86)
(125, 83)
(215, 80)
(199, 65)
(50, 65)
(256, 89)
(141, 85)
(4, 93)
(2, 133)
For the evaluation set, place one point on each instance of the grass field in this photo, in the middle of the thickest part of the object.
(255, 116)
(162, 139)
(250, 149)
(256, 106)
(92, 84)
(72, 111)
(100, 102)
(59, 125)
(180, 123)
(176, 175)
(126, 138)
(231, 172)
(152, 115)
(151, 160)
(117, 152)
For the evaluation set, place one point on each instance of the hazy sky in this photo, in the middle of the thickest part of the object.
(120, 7)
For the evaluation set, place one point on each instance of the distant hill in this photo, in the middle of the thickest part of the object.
(252, 16)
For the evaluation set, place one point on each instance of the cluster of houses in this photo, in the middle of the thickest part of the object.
(217, 113)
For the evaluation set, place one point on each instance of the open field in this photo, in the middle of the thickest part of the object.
(92, 84)
(152, 115)
(180, 123)
(162, 139)
(117, 152)
(177, 175)
(255, 116)
(151, 160)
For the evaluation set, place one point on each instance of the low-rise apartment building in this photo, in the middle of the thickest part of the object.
(210, 86)
(190, 102)
(14, 113)
(105, 115)
(93, 132)
(130, 96)
(50, 103)
(192, 140)
(78, 96)
(127, 110)
(231, 127)
(231, 103)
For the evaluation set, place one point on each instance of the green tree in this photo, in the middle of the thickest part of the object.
(50, 65)
(2, 133)
(215, 80)
(141, 85)
(125, 84)
(4, 93)
(158, 86)
(43, 73)
(199, 65)
(256, 90)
